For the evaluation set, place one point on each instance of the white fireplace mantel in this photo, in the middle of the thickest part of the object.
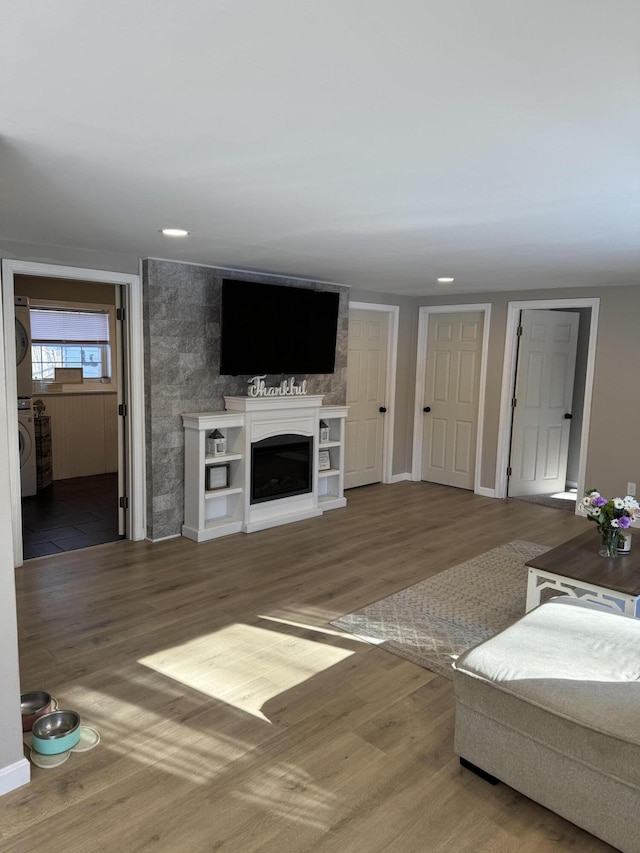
(262, 404)
(247, 420)
(266, 417)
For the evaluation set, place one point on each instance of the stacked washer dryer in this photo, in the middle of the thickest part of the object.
(26, 430)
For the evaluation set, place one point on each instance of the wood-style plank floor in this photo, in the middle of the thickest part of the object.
(234, 718)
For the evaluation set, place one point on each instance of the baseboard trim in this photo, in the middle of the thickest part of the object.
(485, 493)
(278, 521)
(163, 538)
(14, 776)
(398, 478)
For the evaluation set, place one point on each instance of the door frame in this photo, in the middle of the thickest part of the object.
(424, 314)
(133, 371)
(388, 430)
(509, 376)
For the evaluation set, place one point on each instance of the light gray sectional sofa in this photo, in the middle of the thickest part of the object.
(551, 707)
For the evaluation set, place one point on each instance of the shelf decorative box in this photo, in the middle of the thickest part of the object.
(217, 443)
(217, 477)
(324, 460)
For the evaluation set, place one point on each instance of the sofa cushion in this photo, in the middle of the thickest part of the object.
(568, 675)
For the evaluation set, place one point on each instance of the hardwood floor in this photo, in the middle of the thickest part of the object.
(234, 718)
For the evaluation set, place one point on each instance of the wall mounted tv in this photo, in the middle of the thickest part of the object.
(269, 328)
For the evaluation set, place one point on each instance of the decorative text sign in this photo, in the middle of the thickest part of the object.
(287, 388)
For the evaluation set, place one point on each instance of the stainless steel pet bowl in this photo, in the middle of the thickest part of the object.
(56, 732)
(34, 705)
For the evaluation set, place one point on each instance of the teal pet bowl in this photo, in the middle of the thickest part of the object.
(56, 732)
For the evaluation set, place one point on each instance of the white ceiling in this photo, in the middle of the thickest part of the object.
(375, 143)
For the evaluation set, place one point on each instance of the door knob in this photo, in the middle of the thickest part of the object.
(567, 416)
(427, 409)
(382, 409)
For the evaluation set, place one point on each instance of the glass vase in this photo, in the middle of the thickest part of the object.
(608, 541)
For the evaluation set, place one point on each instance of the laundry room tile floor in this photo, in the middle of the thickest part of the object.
(70, 514)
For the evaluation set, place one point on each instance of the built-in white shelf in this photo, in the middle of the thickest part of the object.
(209, 514)
(219, 493)
(220, 459)
(329, 472)
(331, 480)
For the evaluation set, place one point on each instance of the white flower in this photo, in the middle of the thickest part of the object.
(630, 503)
(595, 510)
(618, 503)
(614, 522)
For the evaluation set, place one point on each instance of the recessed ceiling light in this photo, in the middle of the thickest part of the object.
(445, 280)
(174, 232)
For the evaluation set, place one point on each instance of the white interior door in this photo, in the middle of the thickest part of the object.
(452, 380)
(366, 387)
(119, 364)
(542, 401)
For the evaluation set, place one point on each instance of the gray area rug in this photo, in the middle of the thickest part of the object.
(434, 621)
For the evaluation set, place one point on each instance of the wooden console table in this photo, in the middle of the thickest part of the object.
(576, 569)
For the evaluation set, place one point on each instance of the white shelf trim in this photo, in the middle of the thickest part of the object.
(227, 457)
(221, 493)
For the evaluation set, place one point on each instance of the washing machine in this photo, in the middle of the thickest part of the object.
(23, 346)
(27, 443)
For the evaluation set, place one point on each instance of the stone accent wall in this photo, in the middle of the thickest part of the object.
(182, 307)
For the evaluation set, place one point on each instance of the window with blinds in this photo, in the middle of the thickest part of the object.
(70, 338)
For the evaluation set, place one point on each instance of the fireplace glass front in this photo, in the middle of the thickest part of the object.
(281, 467)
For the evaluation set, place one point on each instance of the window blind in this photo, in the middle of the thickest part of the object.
(66, 327)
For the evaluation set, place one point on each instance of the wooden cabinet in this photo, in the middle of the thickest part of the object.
(42, 428)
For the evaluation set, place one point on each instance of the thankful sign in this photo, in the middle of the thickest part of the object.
(287, 388)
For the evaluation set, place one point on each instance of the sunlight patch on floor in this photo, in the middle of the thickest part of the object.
(243, 665)
(566, 496)
(194, 751)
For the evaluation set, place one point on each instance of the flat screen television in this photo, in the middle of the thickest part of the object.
(269, 328)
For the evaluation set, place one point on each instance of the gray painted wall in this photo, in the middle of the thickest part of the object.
(182, 308)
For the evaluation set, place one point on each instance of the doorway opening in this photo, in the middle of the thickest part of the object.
(546, 401)
(71, 387)
(80, 405)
